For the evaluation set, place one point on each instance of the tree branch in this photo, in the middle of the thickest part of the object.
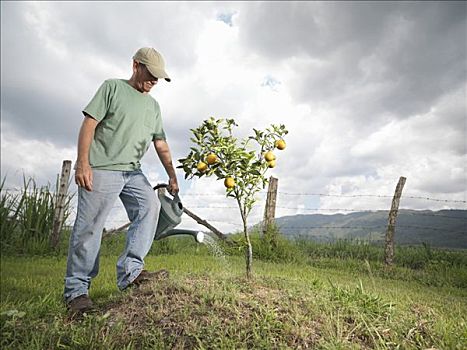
(205, 223)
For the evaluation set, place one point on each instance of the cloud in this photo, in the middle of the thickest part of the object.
(74, 48)
(376, 60)
(31, 158)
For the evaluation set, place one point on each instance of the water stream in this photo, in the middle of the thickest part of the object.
(215, 249)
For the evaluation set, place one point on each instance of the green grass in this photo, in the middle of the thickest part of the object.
(208, 304)
(27, 217)
(303, 294)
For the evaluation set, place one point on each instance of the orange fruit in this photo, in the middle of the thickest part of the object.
(280, 144)
(211, 158)
(202, 167)
(269, 156)
(229, 182)
(272, 164)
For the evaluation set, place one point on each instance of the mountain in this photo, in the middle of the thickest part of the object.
(444, 228)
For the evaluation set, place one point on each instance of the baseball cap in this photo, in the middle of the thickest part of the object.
(153, 61)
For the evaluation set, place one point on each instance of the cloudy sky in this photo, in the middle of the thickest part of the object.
(369, 91)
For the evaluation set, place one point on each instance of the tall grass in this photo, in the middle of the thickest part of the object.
(10, 203)
(426, 265)
(27, 217)
(277, 247)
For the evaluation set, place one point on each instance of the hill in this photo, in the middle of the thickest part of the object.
(444, 228)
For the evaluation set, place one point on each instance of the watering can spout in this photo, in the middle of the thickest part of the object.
(170, 216)
(197, 235)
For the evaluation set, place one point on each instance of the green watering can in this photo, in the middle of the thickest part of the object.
(170, 216)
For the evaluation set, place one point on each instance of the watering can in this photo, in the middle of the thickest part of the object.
(170, 216)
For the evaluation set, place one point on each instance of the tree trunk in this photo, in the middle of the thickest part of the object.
(249, 249)
(205, 223)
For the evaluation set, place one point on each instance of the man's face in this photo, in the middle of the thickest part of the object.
(144, 80)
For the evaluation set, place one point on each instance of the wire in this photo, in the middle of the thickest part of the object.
(310, 194)
(365, 227)
(336, 227)
(371, 195)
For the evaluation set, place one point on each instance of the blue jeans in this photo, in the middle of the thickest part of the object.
(142, 206)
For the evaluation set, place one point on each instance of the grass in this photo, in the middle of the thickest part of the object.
(208, 304)
(27, 216)
(303, 294)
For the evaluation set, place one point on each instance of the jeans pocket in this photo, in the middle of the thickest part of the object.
(106, 181)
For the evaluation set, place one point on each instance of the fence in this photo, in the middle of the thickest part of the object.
(223, 214)
(212, 213)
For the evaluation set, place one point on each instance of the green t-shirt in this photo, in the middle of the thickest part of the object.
(128, 121)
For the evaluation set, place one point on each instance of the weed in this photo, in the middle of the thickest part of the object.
(27, 217)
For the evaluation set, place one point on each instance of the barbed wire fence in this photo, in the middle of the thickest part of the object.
(298, 208)
(214, 208)
(203, 195)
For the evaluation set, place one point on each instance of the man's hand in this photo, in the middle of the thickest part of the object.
(173, 186)
(163, 151)
(83, 176)
(83, 171)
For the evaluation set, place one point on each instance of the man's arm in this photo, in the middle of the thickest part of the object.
(83, 171)
(163, 151)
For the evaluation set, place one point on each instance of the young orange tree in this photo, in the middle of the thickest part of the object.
(241, 164)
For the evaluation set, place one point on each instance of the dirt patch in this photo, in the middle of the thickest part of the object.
(200, 311)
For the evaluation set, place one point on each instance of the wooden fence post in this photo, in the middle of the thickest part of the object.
(60, 204)
(270, 209)
(389, 250)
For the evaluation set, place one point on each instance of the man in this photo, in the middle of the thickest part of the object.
(119, 124)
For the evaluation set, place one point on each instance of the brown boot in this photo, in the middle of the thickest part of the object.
(146, 276)
(80, 305)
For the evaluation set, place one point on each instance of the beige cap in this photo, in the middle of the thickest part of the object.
(153, 61)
